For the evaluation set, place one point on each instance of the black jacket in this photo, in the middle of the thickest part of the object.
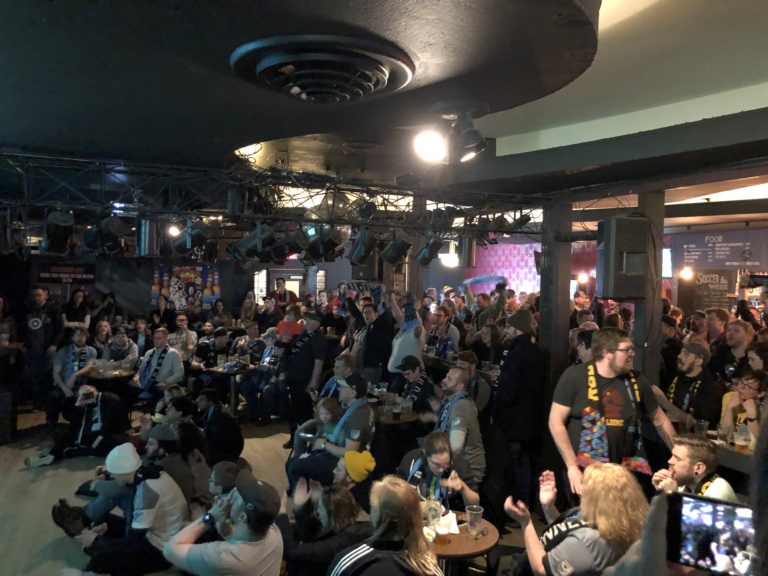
(519, 405)
(223, 435)
(378, 340)
(309, 554)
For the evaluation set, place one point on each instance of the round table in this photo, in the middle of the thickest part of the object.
(463, 545)
(233, 374)
(387, 419)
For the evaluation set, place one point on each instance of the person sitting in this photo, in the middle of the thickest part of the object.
(159, 368)
(398, 544)
(251, 543)
(343, 367)
(218, 316)
(325, 524)
(692, 469)
(70, 366)
(352, 432)
(98, 425)
(133, 545)
(328, 412)
(102, 337)
(479, 384)
(353, 470)
(122, 349)
(141, 335)
(741, 407)
(418, 386)
(589, 539)
(438, 474)
(222, 433)
(163, 449)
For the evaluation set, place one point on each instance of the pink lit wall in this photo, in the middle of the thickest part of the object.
(516, 262)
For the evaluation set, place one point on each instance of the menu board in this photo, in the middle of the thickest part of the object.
(712, 250)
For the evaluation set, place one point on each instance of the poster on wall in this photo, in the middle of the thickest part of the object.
(713, 250)
(708, 289)
(189, 288)
(61, 280)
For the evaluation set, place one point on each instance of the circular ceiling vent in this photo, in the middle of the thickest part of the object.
(323, 68)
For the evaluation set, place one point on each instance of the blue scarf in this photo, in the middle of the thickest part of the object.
(443, 421)
(72, 356)
(147, 380)
(337, 433)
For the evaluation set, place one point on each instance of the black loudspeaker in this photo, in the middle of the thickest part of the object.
(622, 258)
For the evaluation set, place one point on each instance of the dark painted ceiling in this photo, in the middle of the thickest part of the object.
(150, 80)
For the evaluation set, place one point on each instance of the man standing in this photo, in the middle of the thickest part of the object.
(159, 368)
(519, 405)
(597, 409)
(373, 340)
(282, 297)
(692, 470)
(183, 340)
(716, 321)
(159, 511)
(244, 518)
(303, 370)
(457, 417)
(41, 333)
(70, 365)
(580, 302)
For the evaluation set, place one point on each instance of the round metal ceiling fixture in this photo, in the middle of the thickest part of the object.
(325, 69)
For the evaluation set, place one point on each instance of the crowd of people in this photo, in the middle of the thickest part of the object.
(467, 364)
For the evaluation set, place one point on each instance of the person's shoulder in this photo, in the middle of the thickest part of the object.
(573, 373)
(344, 561)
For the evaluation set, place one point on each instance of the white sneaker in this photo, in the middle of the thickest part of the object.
(38, 461)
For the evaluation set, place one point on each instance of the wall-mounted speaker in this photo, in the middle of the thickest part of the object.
(622, 257)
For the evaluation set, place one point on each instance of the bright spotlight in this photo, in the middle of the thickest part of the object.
(582, 278)
(174, 230)
(686, 273)
(430, 146)
(248, 151)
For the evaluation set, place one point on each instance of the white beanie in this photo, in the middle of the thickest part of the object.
(123, 459)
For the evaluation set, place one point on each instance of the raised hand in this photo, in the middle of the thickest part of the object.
(547, 488)
(300, 493)
(517, 510)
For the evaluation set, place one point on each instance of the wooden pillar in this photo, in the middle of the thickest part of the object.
(646, 333)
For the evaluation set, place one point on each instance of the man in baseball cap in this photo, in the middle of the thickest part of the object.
(245, 520)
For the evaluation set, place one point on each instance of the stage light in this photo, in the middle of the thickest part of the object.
(59, 227)
(450, 259)
(431, 146)
(362, 248)
(395, 252)
(470, 141)
(174, 230)
(582, 278)
(252, 244)
(429, 252)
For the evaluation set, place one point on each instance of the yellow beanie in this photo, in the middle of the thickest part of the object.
(359, 465)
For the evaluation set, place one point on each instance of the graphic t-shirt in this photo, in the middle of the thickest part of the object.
(622, 420)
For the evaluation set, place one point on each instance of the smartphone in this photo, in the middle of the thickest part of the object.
(306, 435)
(710, 534)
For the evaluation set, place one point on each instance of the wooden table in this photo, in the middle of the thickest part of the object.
(737, 458)
(462, 546)
(387, 419)
(233, 374)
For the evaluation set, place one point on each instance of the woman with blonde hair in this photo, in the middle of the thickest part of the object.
(398, 545)
(592, 537)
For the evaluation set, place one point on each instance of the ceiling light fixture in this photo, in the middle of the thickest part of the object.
(470, 141)
(431, 146)
(459, 140)
(174, 231)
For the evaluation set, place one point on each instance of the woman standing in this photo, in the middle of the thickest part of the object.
(398, 545)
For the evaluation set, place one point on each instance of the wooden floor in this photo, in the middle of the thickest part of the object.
(31, 544)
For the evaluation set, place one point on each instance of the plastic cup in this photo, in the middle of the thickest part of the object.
(442, 535)
(741, 438)
(723, 433)
(474, 519)
(397, 411)
(700, 427)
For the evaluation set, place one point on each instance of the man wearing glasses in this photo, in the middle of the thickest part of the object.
(598, 407)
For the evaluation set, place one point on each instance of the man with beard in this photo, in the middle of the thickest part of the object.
(159, 368)
(282, 296)
(269, 315)
(183, 340)
(693, 389)
(41, 333)
(373, 340)
(598, 407)
(457, 417)
(163, 449)
(70, 366)
(692, 470)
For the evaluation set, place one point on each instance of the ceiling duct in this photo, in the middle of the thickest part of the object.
(325, 69)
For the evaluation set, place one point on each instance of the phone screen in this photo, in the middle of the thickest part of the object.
(710, 534)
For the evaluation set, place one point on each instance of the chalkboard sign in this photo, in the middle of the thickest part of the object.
(707, 289)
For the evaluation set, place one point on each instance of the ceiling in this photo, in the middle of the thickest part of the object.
(151, 81)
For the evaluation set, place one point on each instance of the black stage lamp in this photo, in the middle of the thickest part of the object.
(395, 252)
(58, 230)
(363, 246)
(429, 252)
(252, 244)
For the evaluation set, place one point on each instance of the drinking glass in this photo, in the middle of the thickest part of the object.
(724, 433)
(474, 519)
(700, 427)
